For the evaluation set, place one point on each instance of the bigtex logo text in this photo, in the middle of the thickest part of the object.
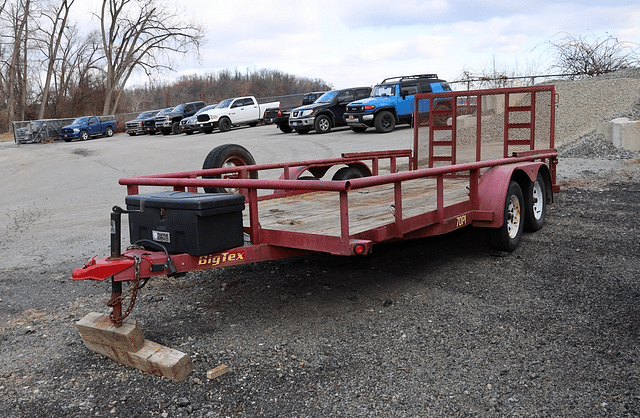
(220, 258)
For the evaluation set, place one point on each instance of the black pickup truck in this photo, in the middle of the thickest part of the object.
(280, 115)
(168, 123)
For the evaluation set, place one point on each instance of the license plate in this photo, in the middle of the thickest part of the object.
(351, 117)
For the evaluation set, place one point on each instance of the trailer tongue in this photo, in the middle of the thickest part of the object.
(491, 166)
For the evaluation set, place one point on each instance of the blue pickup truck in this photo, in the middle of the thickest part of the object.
(87, 127)
(391, 103)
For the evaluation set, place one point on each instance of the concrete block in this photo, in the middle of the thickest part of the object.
(622, 133)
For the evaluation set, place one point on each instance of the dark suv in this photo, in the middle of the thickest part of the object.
(327, 111)
(170, 122)
(392, 102)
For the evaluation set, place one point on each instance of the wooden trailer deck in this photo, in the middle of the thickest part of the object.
(369, 208)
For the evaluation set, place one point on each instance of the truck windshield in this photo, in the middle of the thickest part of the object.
(328, 97)
(224, 104)
(81, 121)
(380, 91)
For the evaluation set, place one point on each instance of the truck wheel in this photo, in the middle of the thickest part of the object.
(347, 173)
(385, 122)
(84, 135)
(535, 203)
(224, 124)
(323, 124)
(175, 128)
(109, 132)
(165, 131)
(507, 237)
(227, 155)
(303, 131)
(207, 130)
(131, 133)
(285, 128)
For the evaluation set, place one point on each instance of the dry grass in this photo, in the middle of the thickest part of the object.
(6, 137)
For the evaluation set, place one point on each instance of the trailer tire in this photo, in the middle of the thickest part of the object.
(535, 202)
(347, 173)
(227, 155)
(224, 124)
(507, 237)
(385, 122)
(285, 128)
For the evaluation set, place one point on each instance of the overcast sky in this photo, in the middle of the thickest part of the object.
(353, 43)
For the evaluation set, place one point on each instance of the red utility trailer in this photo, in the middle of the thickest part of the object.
(492, 165)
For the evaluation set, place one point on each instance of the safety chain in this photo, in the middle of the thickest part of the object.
(132, 292)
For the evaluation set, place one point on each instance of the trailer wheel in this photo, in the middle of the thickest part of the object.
(227, 155)
(109, 132)
(535, 202)
(385, 122)
(347, 173)
(507, 237)
(84, 135)
(285, 128)
(224, 124)
(323, 124)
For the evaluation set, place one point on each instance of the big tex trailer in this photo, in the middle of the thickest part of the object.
(491, 165)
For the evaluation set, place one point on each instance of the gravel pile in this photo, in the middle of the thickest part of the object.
(439, 327)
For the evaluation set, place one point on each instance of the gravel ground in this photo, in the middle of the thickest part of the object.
(433, 327)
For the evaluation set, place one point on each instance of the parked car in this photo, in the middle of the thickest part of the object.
(150, 124)
(88, 127)
(392, 103)
(136, 126)
(280, 115)
(169, 122)
(327, 111)
(190, 125)
(233, 112)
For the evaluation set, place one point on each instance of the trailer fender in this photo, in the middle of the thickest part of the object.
(493, 185)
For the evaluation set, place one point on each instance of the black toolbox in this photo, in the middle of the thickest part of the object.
(185, 222)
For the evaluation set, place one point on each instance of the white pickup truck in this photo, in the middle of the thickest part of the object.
(233, 112)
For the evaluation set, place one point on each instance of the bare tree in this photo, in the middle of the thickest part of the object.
(590, 55)
(15, 18)
(141, 42)
(50, 43)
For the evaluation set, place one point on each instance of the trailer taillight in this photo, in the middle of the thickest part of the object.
(359, 249)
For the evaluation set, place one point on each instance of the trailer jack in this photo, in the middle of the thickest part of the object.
(117, 336)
